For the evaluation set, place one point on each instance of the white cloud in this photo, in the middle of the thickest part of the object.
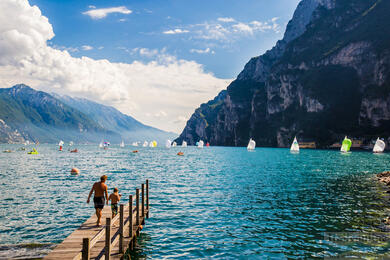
(176, 31)
(86, 47)
(242, 27)
(226, 19)
(167, 84)
(100, 47)
(200, 51)
(122, 20)
(103, 12)
(91, 6)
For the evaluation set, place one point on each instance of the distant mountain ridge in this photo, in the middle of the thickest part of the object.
(328, 77)
(27, 114)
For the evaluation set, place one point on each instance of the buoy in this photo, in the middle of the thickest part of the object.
(74, 171)
(135, 151)
(180, 153)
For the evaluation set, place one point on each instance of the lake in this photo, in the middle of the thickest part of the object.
(216, 202)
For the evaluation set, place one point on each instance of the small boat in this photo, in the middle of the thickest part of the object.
(106, 145)
(122, 144)
(174, 144)
(379, 146)
(207, 144)
(145, 144)
(346, 145)
(74, 151)
(135, 151)
(34, 151)
(180, 153)
(60, 144)
(294, 146)
(168, 144)
(184, 144)
(251, 145)
(200, 144)
(7, 151)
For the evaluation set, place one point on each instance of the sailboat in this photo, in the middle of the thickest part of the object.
(379, 146)
(168, 144)
(145, 144)
(134, 144)
(200, 144)
(70, 143)
(251, 145)
(184, 144)
(153, 144)
(101, 144)
(346, 145)
(295, 146)
(122, 144)
(60, 144)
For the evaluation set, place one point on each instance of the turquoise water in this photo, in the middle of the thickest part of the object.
(214, 202)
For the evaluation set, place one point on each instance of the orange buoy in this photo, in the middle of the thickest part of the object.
(180, 153)
(75, 171)
(135, 151)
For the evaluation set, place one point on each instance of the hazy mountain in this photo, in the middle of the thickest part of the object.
(27, 114)
(328, 77)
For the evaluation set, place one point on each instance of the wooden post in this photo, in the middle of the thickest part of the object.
(147, 198)
(85, 255)
(131, 221)
(143, 203)
(137, 210)
(121, 219)
(107, 250)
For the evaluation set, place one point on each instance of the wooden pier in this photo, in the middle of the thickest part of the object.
(111, 240)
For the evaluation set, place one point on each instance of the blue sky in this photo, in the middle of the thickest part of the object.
(154, 60)
(119, 34)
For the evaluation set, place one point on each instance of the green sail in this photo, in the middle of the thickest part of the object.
(346, 146)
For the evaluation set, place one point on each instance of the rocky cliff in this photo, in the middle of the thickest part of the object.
(328, 77)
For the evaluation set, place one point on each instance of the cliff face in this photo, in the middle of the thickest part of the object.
(328, 77)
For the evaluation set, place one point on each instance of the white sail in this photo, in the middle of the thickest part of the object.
(70, 143)
(101, 144)
(145, 144)
(200, 144)
(168, 144)
(184, 144)
(251, 145)
(294, 145)
(379, 146)
(174, 144)
(61, 143)
(134, 144)
(151, 144)
(122, 144)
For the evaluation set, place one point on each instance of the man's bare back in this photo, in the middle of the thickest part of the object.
(99, 188)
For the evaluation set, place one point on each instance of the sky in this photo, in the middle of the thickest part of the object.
(154, 60)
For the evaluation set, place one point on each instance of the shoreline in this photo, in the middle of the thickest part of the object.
(384, 178)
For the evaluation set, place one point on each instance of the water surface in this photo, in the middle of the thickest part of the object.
(215, 202)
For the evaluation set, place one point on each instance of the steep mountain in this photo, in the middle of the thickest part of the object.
(328, 77)
(110, 118)
(27, 114)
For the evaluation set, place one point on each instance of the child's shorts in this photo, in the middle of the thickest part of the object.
(114, 208)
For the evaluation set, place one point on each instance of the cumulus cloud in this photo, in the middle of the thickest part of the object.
(226, 19)
(86, 47)
(103, 12)
(176, 31)
(167, 84)
(207, 50)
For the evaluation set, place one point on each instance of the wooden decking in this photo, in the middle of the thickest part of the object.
(110, 241)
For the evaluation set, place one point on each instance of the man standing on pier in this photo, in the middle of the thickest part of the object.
(100, 189)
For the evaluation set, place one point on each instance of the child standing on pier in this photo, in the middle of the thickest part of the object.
(115, 197)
